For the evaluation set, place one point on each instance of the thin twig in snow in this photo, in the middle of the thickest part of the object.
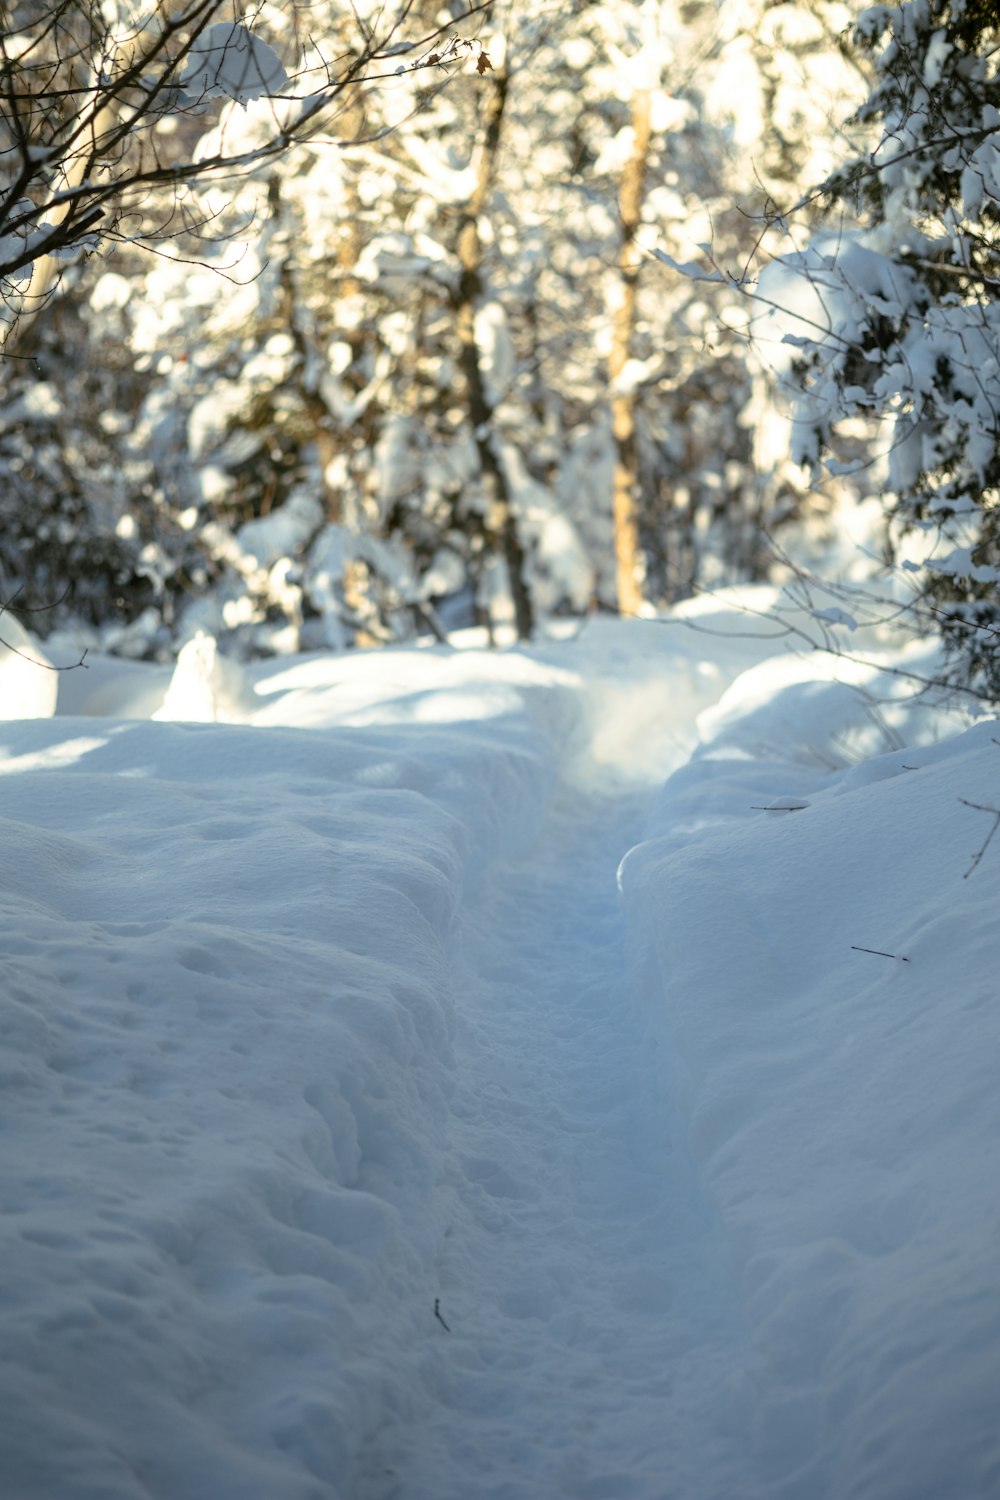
(986, 808)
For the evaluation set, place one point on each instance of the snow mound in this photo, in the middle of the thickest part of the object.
(29, 685)
(205, 687)
(819, 963)
(227, 1014)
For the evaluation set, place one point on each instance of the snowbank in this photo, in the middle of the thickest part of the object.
(819, 959)
(28, 682)
(227, 1012)
(316, 1016)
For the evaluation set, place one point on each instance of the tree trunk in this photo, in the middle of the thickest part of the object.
(501, 520)
(628, 554)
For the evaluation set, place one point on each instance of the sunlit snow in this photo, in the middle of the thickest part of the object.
(558, 1071)
(226, 61)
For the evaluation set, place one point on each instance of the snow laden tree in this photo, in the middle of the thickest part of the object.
(776, 81)
(904, 320)
(384, 393)
(102, 103)
(165, 133)
(728, 102)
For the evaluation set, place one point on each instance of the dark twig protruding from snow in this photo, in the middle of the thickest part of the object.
(8, 604)
(780, 807)
(880, 953)
(986, 808)
(437, 1314)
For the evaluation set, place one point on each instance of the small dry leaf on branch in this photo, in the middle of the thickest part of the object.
(482, 63)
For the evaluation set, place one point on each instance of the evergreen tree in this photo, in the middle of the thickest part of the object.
(911, 302)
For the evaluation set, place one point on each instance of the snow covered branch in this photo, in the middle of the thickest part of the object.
(101, 109)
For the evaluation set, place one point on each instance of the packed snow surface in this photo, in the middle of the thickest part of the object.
(455, 1075)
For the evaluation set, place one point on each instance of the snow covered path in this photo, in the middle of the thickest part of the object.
(314, 1019)
(579, 1277)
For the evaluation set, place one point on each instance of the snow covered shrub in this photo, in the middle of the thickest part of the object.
(906, 314)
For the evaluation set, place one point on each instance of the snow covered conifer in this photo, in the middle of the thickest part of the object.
(912, 303)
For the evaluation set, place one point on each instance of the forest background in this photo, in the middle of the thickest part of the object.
(443, 317)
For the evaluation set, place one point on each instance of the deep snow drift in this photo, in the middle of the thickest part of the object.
(461, 1075)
